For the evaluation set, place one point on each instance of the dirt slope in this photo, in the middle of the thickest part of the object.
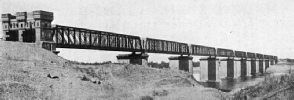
(30, 72)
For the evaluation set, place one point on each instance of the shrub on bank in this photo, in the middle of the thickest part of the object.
(268, 88)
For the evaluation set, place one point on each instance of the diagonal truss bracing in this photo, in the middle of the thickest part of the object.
(81, 38)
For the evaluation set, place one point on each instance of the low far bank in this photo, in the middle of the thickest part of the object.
(278, 84)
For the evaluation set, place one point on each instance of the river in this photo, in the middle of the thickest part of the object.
(231, 84)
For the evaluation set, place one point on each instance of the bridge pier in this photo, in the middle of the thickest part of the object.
(267, 63)
(272, 62)
(237, 65)
(227, 68)
(257, 66)
(140, 59)
(244, 67)
(181, 63)
(209, 69)
(261, 66)
(248, 63)
(253, 67)
(241, 65)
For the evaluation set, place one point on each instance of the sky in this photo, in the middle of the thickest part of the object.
(260, 26)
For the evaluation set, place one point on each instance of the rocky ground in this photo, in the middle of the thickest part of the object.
(29, 72)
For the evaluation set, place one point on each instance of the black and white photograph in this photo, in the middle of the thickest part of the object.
(147, 50)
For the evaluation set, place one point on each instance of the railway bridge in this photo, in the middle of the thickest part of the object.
(36, 27)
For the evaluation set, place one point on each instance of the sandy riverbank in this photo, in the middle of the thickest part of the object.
(30, 72)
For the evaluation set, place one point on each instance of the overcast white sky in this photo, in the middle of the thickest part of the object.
(261, 26)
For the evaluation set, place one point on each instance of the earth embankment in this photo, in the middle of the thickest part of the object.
(30, 72)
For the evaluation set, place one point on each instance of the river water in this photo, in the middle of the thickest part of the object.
(231, 84)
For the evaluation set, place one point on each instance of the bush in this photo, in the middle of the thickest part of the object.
(265, 88)
(96, 63)
(159, 65)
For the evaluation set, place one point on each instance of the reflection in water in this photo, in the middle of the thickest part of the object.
(230, 84)
(227, 84)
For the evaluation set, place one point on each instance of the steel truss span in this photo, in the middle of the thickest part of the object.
(240, 54)
(225, 52)
(164, 46)
(81, 38)
(251, 55)
(202, 50)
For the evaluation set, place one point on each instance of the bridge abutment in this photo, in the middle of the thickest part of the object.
(32, 27)
(209, 69)
(181, 63)
(140, 59)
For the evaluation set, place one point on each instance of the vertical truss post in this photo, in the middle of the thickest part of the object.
(68, 35)
(162, 45)
(80, 38)
(56, 34)
(154, 45)
(62, 35)
(148, 42)
(108, 40)
(126, 42)
(131, 42)
(74, 36)
(85, 38)
(90, 38)
(180, 48)
(100, 39)
(118, 41)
